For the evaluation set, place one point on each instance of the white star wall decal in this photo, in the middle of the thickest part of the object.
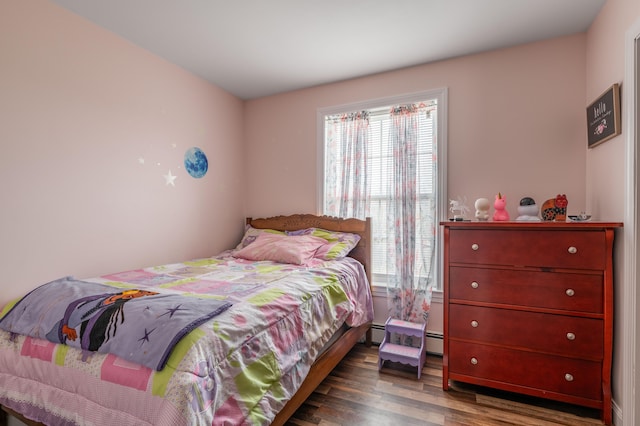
(170, 179)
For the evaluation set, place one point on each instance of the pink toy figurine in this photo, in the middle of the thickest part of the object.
(500, 205)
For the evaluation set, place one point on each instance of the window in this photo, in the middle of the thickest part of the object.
(431, 190)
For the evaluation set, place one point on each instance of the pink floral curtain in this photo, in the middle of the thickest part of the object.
(347, 190)
(408, 211)
(409, 266)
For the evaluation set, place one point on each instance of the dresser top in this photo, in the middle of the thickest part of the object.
(530, 225)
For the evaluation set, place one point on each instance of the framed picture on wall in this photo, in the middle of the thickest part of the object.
(603, 117)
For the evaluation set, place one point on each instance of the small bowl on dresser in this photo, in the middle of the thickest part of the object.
(579, 218)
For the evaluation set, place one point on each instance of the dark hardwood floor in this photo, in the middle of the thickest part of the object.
(356, 393)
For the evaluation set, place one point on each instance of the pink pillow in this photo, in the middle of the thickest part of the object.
(251, 233)
(293, 249)
(337, 244)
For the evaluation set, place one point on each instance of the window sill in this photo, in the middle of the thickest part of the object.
(381, 291)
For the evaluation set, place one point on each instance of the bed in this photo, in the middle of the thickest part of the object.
(277, 330)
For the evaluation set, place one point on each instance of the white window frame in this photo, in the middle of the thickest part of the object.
(440, 95)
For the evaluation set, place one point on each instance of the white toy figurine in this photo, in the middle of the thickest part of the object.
(528, 210)
(482, 209)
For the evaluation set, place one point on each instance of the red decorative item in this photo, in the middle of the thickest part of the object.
(555, 209)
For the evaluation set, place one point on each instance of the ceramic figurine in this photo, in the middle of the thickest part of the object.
(482, 206)
(528, 210)
(500, 204)
(555, 208)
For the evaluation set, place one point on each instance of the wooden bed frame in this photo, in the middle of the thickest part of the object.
(340, 347)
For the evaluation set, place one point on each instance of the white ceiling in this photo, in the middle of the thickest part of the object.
(255, 48)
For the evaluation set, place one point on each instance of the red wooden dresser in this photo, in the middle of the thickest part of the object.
(528, 308)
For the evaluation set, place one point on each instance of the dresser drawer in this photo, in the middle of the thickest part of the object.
(556, 334)
(546, 372)
(542, 248)
(552, 290)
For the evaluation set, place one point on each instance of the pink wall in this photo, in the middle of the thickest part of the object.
(606, 172)
(605, 66)
(79, 107)
(516, 125)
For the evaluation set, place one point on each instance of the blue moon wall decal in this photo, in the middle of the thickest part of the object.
(195, 161)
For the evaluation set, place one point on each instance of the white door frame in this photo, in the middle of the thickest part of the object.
(630, 338)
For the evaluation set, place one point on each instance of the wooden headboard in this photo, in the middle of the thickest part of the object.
(362, 252)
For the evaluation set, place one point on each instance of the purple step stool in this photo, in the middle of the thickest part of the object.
(400, 353)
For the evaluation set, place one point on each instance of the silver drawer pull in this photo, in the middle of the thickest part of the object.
(570, 292)
(568, 377)
(474, 324)
(572, 250)
(474, 361)
(474, 285)
(474, 247)
(571, 336)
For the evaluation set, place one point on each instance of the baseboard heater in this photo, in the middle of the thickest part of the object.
(434, 340)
